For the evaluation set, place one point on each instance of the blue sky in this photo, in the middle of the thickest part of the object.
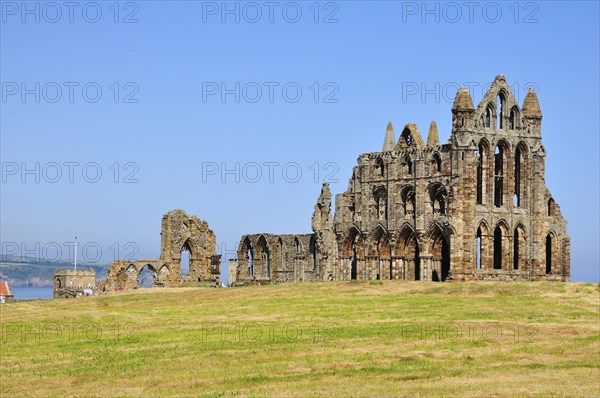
(134, 91)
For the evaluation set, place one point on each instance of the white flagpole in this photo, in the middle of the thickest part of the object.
(75, 254)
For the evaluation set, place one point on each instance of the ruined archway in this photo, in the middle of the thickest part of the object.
(482, 246)
(147, 277)
(501, 245)
(439, 250)
(483, 170)
(519, 247)
(380, 253)
(185, 259)
(408, 262)
(263, 258)
(353, 249)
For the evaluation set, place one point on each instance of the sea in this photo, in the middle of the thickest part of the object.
(32, 293)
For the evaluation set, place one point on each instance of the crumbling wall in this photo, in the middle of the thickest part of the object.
(179, 232)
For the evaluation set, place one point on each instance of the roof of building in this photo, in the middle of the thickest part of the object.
(4, 289)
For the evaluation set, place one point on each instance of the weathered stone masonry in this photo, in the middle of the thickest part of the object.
(179, 232)
(475, 208)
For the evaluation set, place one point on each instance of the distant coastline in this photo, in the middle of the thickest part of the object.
(26, 272)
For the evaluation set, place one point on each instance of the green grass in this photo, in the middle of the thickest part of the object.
(316, 339)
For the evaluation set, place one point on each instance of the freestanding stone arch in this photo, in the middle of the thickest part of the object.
(179, 232)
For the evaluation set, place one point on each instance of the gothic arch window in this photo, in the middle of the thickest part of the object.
(438, 196)
(500, 155)
(407, 248)
(482, 161)
(407, 137)
(517, 201)
(436, 163)
(282, 250)
(551, 207)
(147, 276)
(379, 167)
(380, 196)
(549, 253)
(352, 209)
(250, 259)
(513, 119)
(500, 112)
(265, 257)
(439, 247)
(518, 247)
(407, 166)
(313, 252)
(407, 196)
(479, 249)
(488, 116)
(298, 246)
(353, 248)
(498, 247)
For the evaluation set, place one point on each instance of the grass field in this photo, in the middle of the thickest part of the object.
(322, 339)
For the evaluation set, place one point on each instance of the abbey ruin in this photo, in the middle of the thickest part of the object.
(180, 232)
(474, 208)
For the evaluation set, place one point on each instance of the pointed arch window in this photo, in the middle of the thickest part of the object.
(408, 201)
(313, 252)
(517, 202)
(478, 249)
(500, 112)
(488, 116)
(551, 207)
(549, 247)
(438, 196)
(513, 120)
(407, 137)
(407, 166)
(379, 167)
(498, 248)
(482, 155)
(499, 175)
(380, 196)
(282, 250)
(436, 163)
